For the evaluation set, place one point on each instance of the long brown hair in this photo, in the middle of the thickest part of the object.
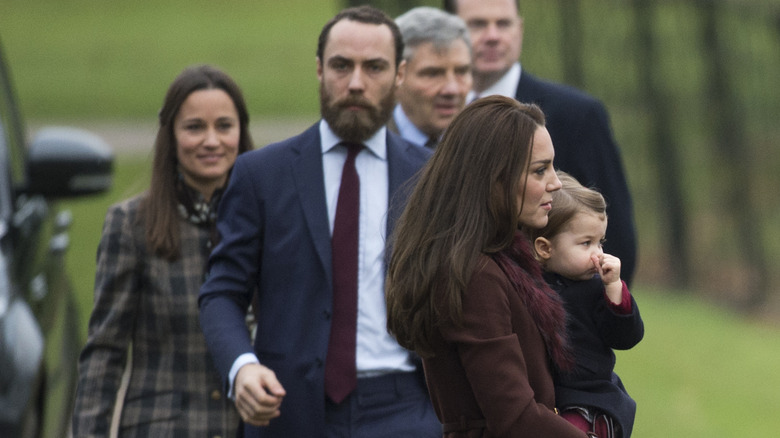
(464, 205)
(158, 209)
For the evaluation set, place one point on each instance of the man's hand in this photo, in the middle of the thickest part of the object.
(258, 394)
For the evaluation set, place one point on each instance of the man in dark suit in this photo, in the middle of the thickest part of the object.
(303, 225)
(578, 123)
(437, 51)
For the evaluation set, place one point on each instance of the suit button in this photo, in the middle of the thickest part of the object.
(326, 314)
(319, 362)
(216, 395)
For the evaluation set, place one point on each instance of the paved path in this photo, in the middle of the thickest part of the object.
(136, 137)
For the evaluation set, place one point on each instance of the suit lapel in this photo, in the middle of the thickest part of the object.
(306, 165)
(309, 181)
(392, 126)
(528, 90)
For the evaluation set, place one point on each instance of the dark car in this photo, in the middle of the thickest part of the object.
(39, 328)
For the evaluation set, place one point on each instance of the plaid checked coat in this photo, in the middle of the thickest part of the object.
(150, 305)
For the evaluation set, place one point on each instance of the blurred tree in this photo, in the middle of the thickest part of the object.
(734, 156)
(673, 215)
(571, 40)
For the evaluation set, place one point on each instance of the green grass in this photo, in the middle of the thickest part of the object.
(701, 371)
(96, 58)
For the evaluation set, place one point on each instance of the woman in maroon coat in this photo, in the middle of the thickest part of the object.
(463, 288)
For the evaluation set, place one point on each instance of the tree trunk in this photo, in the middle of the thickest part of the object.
(734, 156)
(665, 148)
(571, 39)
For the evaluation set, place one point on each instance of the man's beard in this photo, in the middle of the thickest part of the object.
(355, 126)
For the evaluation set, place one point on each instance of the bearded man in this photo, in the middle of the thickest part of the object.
(303, 226)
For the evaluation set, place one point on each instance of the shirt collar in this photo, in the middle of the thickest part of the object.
(377, 143)
(408, 130)
(506, 86)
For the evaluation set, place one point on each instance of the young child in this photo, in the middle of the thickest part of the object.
(602, 314)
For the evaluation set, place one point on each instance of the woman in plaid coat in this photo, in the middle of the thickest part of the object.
(150, 265)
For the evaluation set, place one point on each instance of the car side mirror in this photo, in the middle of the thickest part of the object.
(66, 162)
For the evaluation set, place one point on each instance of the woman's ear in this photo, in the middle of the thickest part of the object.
(543, 248)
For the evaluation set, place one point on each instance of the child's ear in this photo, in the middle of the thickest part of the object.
(543, 248)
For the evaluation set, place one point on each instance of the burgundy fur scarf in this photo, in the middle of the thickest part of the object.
(544, 305)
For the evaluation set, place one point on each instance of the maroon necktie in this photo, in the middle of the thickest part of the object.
(340, 372)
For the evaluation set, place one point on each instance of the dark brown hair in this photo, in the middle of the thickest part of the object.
(464, 205)
(158, 209)
(362, 14)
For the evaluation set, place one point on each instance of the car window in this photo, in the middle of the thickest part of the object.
(5, 285)
(12, 169)
(5, 171)
(5, 182)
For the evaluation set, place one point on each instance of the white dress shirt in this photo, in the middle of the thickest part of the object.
(377, 351)
(506, 86)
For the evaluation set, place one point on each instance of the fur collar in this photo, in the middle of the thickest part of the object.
(544, 305)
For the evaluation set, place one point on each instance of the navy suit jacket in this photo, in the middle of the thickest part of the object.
(275, 241)
(585, 148)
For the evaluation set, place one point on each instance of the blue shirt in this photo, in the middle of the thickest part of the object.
(408, 130)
